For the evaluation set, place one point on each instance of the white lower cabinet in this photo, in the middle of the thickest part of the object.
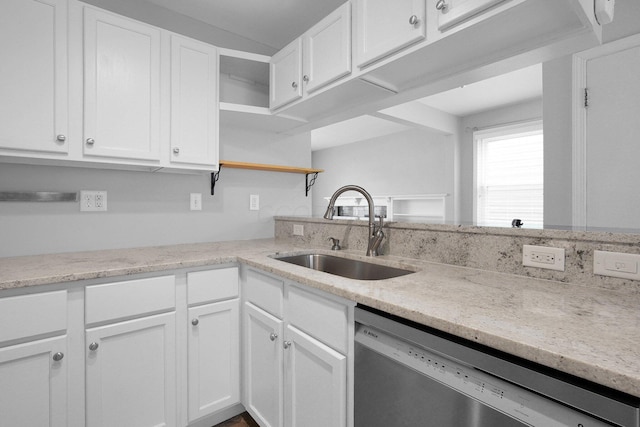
(297, 362)
(130, 353)
(316, 382)
(33, 384)
(263, 368)
(214, 357)
(33, 360)
(131, 373)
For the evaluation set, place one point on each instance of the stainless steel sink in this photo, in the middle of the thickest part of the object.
(353, 269)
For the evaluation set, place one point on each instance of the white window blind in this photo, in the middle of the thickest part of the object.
(509, 175)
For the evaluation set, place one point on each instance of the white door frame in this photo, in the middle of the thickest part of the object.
(579, 132)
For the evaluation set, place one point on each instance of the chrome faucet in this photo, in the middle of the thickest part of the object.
(375, 234)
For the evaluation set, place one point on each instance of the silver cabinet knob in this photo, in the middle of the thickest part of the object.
(195, 322)
(61, 138)
(305, 78)
(176, 150)
(273, 336)
(93, 346)
(286, 344)
(294, 85)
(58, 356)
(91, 141)
(441, 5)
(413, 20)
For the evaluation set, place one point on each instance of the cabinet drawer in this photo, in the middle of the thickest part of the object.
(322, 318)
(265, 292)
(26, 316)
(132, 298)
(212, 285)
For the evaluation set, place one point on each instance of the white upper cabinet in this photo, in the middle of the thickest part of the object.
(194, 102)
(384, 27)
(320, 56)
(33, 76)
(327, 49)
(285, 70)
(121, 87)
(453, 12)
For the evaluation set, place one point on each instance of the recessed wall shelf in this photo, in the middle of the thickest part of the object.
(271, 168)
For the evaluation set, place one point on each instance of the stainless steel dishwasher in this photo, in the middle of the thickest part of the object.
(409, 375)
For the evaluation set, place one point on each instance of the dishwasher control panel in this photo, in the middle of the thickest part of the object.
(512, 400)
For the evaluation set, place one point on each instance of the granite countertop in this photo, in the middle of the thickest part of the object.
(584, 331)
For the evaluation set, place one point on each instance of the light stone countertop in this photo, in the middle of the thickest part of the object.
(588, 332)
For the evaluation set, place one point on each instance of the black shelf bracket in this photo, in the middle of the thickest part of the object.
(308, 183)
(215, 176)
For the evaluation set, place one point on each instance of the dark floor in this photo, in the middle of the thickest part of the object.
(242, 420)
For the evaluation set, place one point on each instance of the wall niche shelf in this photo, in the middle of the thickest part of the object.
(265, 167)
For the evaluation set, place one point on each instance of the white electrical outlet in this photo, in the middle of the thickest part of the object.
(298, 230)
(254, 202)
(93, 201)
(616, 264)
(195, 202)
(543, 257)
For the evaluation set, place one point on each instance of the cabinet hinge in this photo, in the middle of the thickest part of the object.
(586, 97)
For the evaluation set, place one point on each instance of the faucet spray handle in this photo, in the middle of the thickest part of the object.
(336, 244)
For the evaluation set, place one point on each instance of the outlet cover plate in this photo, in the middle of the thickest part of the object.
(543, 257)
(298, 230)
(93, 201)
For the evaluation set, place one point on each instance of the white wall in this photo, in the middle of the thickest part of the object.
(558, 119)
(146, 209)
(411, 162)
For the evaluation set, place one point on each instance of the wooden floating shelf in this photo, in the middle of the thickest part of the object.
(271, 168)
(264, 167)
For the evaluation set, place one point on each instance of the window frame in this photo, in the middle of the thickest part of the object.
(521, 128)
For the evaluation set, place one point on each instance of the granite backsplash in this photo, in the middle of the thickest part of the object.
(486, 248)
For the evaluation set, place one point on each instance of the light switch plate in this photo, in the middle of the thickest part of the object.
(195, 203)
(254, 202)
(616, 264)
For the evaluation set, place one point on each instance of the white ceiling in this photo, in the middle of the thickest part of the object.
(274, 23)
(353, 130)
(507, 89)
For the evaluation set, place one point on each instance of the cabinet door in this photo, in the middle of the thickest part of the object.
(33, 76)
(131, 373)
(384, 27)
(453, 12)
(316, 382)
(122, 87)
(285, 70)
(194, 102)
(33, 386)
(214, 357)
(327, 49)
(263, 368)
